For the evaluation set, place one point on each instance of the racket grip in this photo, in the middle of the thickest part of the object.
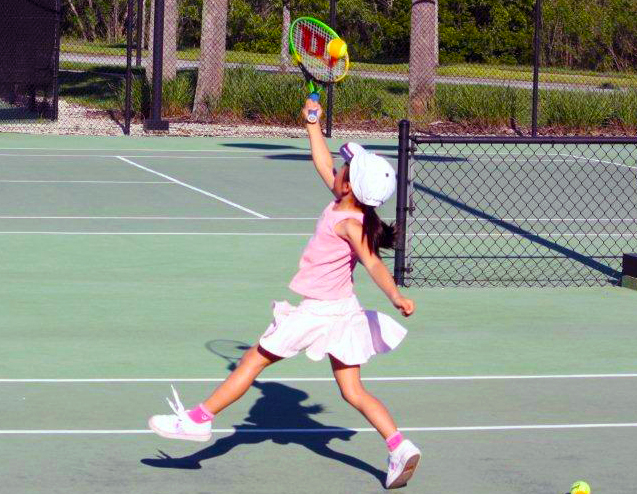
(312, 115)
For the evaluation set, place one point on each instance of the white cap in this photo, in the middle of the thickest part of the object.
(372, 177)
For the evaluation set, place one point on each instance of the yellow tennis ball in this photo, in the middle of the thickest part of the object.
(337, 48)
(580, 487)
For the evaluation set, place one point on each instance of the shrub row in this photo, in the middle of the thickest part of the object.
(276, 99)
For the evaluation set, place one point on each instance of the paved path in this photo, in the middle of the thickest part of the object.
(388, 76)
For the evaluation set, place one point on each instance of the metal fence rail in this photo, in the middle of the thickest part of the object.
(523, 212)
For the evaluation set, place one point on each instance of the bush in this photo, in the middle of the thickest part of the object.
(582, 110)
(273, 98)
(483, 105)
(625, 109)
(276, 98)
(177, 96)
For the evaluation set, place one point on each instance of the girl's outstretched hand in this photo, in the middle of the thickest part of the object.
(311, 105)
(405, 305)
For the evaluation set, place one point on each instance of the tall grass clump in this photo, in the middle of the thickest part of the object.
(177, 96)
(625, 109)
(575, 109)
(252, 95)
(140, 97)
(482, 105)
(359, 99)
(278, 98)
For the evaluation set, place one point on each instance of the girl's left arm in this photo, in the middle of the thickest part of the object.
(352, 231)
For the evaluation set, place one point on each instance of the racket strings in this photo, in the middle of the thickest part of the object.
(311, 43)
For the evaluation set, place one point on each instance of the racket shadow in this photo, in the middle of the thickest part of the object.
(279, 407)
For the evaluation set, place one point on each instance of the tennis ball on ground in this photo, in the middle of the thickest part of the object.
(580, 487)
(337, 48)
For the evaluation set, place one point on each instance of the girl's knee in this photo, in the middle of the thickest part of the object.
(353, 395)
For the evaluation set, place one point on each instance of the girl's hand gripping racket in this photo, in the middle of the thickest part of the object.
(320, 53)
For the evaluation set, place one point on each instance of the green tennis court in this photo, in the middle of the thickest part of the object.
(123, 259)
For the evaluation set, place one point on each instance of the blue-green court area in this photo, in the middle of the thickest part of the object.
(124, 260)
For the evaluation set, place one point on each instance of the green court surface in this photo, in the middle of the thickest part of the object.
(122, 259)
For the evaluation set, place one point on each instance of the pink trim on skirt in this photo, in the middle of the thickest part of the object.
(341, 328)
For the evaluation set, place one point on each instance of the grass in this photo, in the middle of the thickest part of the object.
(483, 105)
(548, 75)
(90, 89)
(478, 71)
(275, 98)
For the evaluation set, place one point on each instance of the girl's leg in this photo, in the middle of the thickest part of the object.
(349, 381)
(234, 387)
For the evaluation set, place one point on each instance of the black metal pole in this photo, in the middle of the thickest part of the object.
(330, 88)
(536, 65)
(401, 202)
(56, 62)
(155, 122)
(140, 29)
(129, 63)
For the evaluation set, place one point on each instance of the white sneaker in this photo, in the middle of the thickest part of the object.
(402, 463)
(180, 425)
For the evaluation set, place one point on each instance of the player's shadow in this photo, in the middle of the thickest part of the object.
(279, 407)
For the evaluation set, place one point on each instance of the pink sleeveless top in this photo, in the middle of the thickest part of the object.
(328, 261)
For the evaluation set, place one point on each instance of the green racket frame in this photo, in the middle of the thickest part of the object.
(313, 84)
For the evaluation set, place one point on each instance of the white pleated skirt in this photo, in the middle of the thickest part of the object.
(341, 328)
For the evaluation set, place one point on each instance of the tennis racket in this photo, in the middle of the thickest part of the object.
(321, 55)
(230, 350)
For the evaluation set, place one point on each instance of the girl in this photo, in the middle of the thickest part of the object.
(329, 320)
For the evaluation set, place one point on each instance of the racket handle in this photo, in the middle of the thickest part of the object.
(312, 115)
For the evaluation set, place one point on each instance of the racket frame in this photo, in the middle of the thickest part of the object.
(313, 83)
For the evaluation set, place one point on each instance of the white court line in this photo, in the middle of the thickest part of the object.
(226, 201)
(325, 430)
(220, 234)
(125, 155)
(283, 149)
(324, 379)
(540, 220)
(189, 218)
(220, 218)
(542, 235)
(307, 234)
(78, 182)
(596, 159)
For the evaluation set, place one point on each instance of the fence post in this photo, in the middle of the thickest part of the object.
(330, 88)
(140, 29)
(401, 202)
(56, 61)
(129, 63)
(155, 122)
(536, 65)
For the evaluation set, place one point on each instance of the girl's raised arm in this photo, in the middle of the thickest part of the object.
(320, 153)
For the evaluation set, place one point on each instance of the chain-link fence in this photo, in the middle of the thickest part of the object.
(451, 67)
(482, 79)
(516, 211)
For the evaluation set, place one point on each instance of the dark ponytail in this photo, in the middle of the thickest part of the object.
(379, 234)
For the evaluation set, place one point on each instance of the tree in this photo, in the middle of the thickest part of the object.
(285, 51)
(169, 65)
(213, 53)
(422, 58)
